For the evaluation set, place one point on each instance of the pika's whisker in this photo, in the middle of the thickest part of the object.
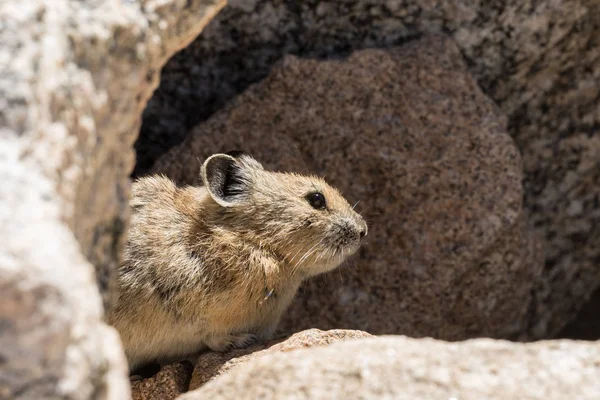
(355, 204)
(308, 253)
(295, 255)
(361, 212)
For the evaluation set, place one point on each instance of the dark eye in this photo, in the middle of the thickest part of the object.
(317, 200)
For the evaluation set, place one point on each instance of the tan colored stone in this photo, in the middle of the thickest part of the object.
(171, 381)
(408, 133)
(211, 365)
(75, 77)
(401, 368)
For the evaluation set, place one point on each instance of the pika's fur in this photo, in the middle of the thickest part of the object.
(216, 266)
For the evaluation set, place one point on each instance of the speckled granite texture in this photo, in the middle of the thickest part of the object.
(74, 79)
(211, 365)
(177, 378)
(539, 60)
(402, 368)
(409, 134)
(171, 381)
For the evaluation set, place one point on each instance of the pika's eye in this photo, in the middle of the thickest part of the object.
(317, 200)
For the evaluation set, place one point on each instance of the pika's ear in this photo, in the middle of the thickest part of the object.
(225, 179)
(245, 158)
(236, 153)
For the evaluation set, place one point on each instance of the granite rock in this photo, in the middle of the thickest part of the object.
(409, 134)
(401, 368)
(211, 365)
(75, 78)
(539, 61)
(171, 381)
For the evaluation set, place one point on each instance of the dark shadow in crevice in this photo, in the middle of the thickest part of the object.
(586, 325)
(199, 80)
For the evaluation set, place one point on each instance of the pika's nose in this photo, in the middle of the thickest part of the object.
(363, 230)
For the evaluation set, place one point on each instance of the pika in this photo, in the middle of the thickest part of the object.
(215, 266)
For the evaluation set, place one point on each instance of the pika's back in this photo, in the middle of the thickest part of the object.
(161, 214)
(151, 189)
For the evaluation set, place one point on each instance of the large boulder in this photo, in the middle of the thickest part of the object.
(177, 378)
(75, 78)
(401, 368)
(211, 365)
(539, 61)
(409, 134)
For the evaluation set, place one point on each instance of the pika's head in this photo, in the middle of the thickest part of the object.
(301, 218)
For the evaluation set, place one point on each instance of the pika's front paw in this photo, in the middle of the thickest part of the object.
(223, 344)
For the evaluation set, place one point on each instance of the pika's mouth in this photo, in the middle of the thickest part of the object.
(342, 251)
(331, 257)
(341, 241)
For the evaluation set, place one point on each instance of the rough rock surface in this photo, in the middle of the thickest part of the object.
(211, 365)
(75, 77)
(540, 61)
(401, 368)
(171, 381)
(409, 134)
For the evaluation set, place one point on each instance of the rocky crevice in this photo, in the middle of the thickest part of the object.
(469, 238)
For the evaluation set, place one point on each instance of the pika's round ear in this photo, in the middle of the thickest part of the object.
(245, 158)
(224, 178)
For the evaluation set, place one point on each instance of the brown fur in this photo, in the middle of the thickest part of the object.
(200, 261)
